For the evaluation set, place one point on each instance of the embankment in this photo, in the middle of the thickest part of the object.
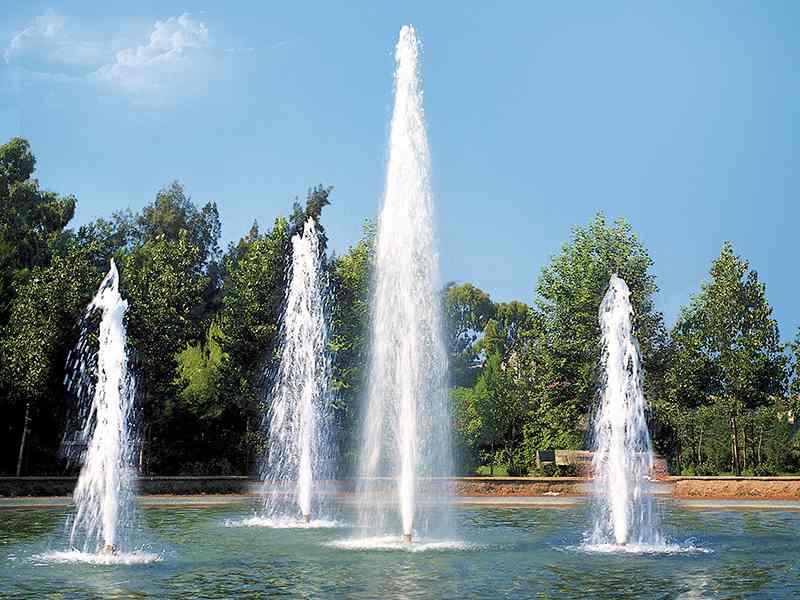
(751, 488)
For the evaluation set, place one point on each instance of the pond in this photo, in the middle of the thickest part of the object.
(209, 552)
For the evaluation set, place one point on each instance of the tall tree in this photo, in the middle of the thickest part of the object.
(165, 284)
(252, 298)
(349, 284)
(726, 346)
(317, 198)
(31, 219)
(32, 229)
(34, 344)
(569, 293)
(467, 309)
(168, 274)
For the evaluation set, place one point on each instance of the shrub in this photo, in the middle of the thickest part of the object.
(707, 469)
(766, 469)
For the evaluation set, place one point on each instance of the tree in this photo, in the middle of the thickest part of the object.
(794, 388)
(32, 228)
(198, 375)
(252, 299)
(171, 214)
(31, 219)
(726, 347)
(467, 310)
(317, 198)
(569, 292)
(349, 288)
(251, 303)
(489, 416)
(165, 283)
(501, 404)
(43, 327)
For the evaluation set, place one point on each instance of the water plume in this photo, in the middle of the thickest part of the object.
(406, 430)
(298, 420)
(623, 458)
(104, 442)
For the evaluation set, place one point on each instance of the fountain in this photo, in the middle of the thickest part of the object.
(406, 432)
(105, 389)
(298, 418)
(623, 457)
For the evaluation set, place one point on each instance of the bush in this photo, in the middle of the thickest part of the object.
(553, 470)
(766, 469)
(518, 470)
(766, 441)
(707, 469)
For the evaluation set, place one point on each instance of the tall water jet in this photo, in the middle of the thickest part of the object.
(105, 390)
(406, 434)
(623, 458)
(299, 416)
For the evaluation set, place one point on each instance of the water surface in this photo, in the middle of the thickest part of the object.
(500, 553)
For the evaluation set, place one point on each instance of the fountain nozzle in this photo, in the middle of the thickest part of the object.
(108, 550)
(406, 538)
(307, 518)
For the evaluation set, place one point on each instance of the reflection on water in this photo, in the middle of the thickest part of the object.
(509, 553)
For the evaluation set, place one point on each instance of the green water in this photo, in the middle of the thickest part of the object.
(508, 553)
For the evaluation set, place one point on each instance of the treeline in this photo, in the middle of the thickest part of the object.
(203, 325)
(722, 388)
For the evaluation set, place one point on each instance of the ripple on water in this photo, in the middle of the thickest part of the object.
(137, 557)
(393, 543)
(643, 549)
(283, 523)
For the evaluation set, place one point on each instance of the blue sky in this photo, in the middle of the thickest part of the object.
(681, 117)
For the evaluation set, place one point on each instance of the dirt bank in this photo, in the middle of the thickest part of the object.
(517, 486)
(766, 488)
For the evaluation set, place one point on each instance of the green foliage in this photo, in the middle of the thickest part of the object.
(204, 331)
(726, 352)
(554, 470)
(252, 296)
(566, 356)
(199, 375)
(165, 285)
(349, 286)
(726, 342)
(467, 310)
(34, 344)
(705, 442)
(173, 215)
(31, 220)
(43, 322)
(488, 417)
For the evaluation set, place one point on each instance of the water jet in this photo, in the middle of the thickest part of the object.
(297, 419)
(104, 387)
(623, 456)
(406, 431)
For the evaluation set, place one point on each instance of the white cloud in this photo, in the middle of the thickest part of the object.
(50, 44)
(173, 47)
(248, 50)
(175, 56)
